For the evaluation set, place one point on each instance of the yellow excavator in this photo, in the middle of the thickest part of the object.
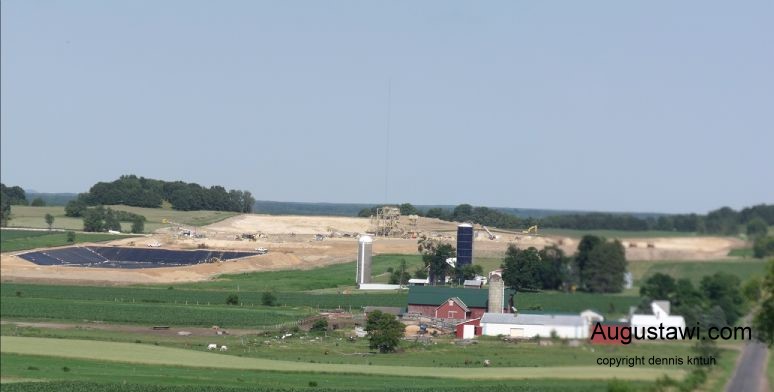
(531, 230)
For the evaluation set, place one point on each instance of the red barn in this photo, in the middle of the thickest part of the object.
(453, 308)
(433, 301)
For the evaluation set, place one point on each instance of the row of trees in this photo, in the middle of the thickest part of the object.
(723, 221)
(10, 196)
(99, 219)
(145, 192)
(717, 301)
(598, 266)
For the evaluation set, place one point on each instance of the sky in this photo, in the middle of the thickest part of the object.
(657, 106)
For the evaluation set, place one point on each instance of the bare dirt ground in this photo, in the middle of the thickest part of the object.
(291, 244)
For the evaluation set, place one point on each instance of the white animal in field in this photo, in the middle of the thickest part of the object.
(212, 346)
(223, 348)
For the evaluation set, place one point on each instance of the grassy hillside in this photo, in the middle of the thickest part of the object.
(15, 240)
(33, 217)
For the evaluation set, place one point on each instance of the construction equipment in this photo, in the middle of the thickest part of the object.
(531, 230)
(489, 233)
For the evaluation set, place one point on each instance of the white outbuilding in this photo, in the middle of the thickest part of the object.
(643, 322)
(529, 325)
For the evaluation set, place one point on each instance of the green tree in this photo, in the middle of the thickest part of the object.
(232, 299)
(71, 237)
(268, 298)
(138, 224)
(723, 290)
(521, 269)
(752, 289)
(554, 270)
(435, 261)
(763, 322)
(408, 209)
(76, 207)
(586, 245)
(659, 287)
(605, 268)
(365, 213)
(400, 275)
(384, 331)
(38, 202)
(111, 220)
(49, 220)
(94, 219)
(468, 271)
(757, 227)
(763, 247)
(5, 209)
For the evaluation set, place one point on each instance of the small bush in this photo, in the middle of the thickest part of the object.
(268, 299)
(71, 237)
(232, 299)
(312, 384)
(65, 369)
(320, 325)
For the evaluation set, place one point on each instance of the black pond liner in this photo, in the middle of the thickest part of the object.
(117, 257)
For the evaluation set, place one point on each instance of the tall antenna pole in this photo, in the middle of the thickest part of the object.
(387, 144)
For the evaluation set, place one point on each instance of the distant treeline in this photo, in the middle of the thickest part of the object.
(724, 221)
(145, 192)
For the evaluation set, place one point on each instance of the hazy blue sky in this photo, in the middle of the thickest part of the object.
(610, 105)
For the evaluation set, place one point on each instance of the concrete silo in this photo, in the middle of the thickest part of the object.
(496, 292)
(464, 244)
(363, 269)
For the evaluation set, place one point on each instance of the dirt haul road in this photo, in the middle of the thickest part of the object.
(292, 245)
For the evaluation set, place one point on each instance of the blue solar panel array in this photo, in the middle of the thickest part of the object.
(464, 245)
(116, 257)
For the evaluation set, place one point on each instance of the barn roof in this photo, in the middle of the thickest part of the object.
(436, 295)
(532, 319)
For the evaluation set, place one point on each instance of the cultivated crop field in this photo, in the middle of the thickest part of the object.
(16, 240)
(33, 217)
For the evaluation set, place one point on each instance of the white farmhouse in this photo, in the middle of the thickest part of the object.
(641, 323)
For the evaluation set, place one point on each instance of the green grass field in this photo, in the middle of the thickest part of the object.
(695, 270)
(147, 313)
(332, 349)
(15, 240)
(332, 276)
(166, 356)
(92, 376)
(32, 217)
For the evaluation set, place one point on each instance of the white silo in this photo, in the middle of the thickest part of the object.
(363, 269)
(496, 292)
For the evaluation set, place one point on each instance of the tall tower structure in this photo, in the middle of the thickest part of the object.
(363, 269)
(464, 244)
(496, 292)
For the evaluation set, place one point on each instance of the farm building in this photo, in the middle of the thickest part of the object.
(450, 303)
(529, 325)
(468, 329)
(660, 316)
(473, 284)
